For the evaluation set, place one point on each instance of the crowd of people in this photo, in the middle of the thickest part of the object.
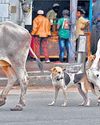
(43, 25)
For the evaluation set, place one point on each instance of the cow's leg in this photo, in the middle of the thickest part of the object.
(23, 85)
(11, 80)
(22, 77)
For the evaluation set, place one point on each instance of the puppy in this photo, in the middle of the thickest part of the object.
(62, 80)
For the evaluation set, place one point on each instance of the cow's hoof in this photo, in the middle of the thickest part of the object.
(17, 108)
(22, 103)
(2, 101)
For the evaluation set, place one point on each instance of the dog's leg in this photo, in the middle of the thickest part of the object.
(65, 100)
(96, 91)
(98, 96)
(98, 103)
(11, 80)
(93, 89)
(55, 97)
(86, 101)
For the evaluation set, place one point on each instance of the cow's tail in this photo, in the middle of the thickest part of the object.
(40, 65)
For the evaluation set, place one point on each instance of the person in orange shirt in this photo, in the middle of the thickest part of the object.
(41, 32)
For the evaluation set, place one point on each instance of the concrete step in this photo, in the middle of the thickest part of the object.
(40, 78)
(38, 73)
(36, 76)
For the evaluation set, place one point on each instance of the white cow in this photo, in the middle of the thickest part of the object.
(14, 48)
(93, 73)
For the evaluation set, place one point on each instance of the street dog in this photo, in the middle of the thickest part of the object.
(93, 73)
(62, 80)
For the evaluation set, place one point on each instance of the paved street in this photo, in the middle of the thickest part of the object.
(37, 112)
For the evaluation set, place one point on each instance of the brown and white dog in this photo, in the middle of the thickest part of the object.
(93, 73)
(62, 80)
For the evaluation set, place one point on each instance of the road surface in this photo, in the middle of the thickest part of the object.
(37, 111)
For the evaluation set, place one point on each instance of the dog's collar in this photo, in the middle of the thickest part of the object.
(58, 79)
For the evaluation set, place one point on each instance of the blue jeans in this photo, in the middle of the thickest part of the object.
(64, 44)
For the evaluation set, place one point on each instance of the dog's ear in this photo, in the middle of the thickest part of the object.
(52, 69)
(63, 68)
(91, 57)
